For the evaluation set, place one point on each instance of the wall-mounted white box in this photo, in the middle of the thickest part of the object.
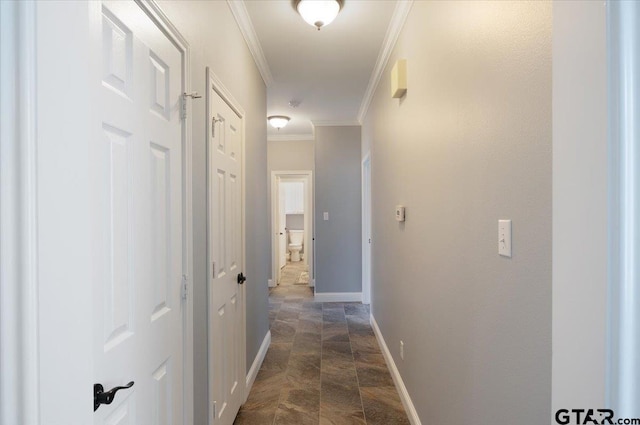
(399, 79)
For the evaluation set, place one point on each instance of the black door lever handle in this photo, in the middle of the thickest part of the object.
(241, 278)
(100, 396)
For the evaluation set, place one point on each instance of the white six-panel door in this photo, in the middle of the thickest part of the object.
(137, 179)
(226, 374)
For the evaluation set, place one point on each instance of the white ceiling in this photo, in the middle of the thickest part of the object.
(327, 71)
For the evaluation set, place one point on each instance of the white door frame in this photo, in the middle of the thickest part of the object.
(19, 386)
(307, 177)
(281, 203)
(623, 393)
(20, 348)
(214, 83)
(366, 229)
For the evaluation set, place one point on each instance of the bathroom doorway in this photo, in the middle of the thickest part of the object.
(292, 227)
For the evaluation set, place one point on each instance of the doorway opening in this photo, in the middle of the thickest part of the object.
(292, 227)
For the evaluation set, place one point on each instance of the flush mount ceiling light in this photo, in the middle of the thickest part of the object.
(278, 121)
(318, 13)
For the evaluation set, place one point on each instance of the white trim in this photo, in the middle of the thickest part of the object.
(393, 31)
(623, 392)
(337, 297)
(270, 283)
(214, 83)
(275, 212)
(19, 292)
(290, 137)
(395, 374)
(257, 363)
(153, 10)
(225, 94)
(307, 177)
(241, 15)
(366, 233)
(344, 123)
(243, 227)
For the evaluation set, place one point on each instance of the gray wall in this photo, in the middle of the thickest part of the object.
(289, 155)
(469, 144)
(338, 265)
(202, 23)
(579, 203)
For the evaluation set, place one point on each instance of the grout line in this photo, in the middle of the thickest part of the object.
(275, 414)
(321, 356)
(354, 366)
(321, 347)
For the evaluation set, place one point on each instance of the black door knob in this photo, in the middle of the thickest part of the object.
(241, 278)
(100, 396)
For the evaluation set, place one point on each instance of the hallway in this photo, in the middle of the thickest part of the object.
(324, 366)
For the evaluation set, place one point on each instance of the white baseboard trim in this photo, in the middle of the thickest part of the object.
(270, 283)
(395, 374)
(338, 297)
(257, 362)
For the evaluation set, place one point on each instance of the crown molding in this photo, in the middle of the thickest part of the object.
(347, 123)
(393, 31)
(241, 15)
(290, 137)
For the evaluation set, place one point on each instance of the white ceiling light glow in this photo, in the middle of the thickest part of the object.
(278, 121)
(319, 13)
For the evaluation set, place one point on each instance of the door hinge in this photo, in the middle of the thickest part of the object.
(184, 288)
(183, 106)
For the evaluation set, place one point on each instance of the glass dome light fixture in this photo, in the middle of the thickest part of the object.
(318, 13)
(278, 121)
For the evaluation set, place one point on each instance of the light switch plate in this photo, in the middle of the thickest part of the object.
(325, 216)
(399, 213)
(504, 238)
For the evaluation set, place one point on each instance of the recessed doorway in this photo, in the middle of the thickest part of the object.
(292, 227)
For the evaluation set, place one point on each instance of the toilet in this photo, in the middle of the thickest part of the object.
(295, 244)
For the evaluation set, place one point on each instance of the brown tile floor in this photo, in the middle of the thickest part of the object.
(324, 366)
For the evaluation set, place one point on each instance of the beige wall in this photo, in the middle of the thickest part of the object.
(291, 155)
(215, 41)
(469, 144)
(580, 157)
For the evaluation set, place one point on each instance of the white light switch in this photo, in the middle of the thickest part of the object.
(325, 216)
(504, 238)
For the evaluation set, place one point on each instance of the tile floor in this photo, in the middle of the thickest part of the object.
(324, 366)
(296, 273)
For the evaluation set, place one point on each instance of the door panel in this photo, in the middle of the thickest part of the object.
(225, 255)
(137, 300)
